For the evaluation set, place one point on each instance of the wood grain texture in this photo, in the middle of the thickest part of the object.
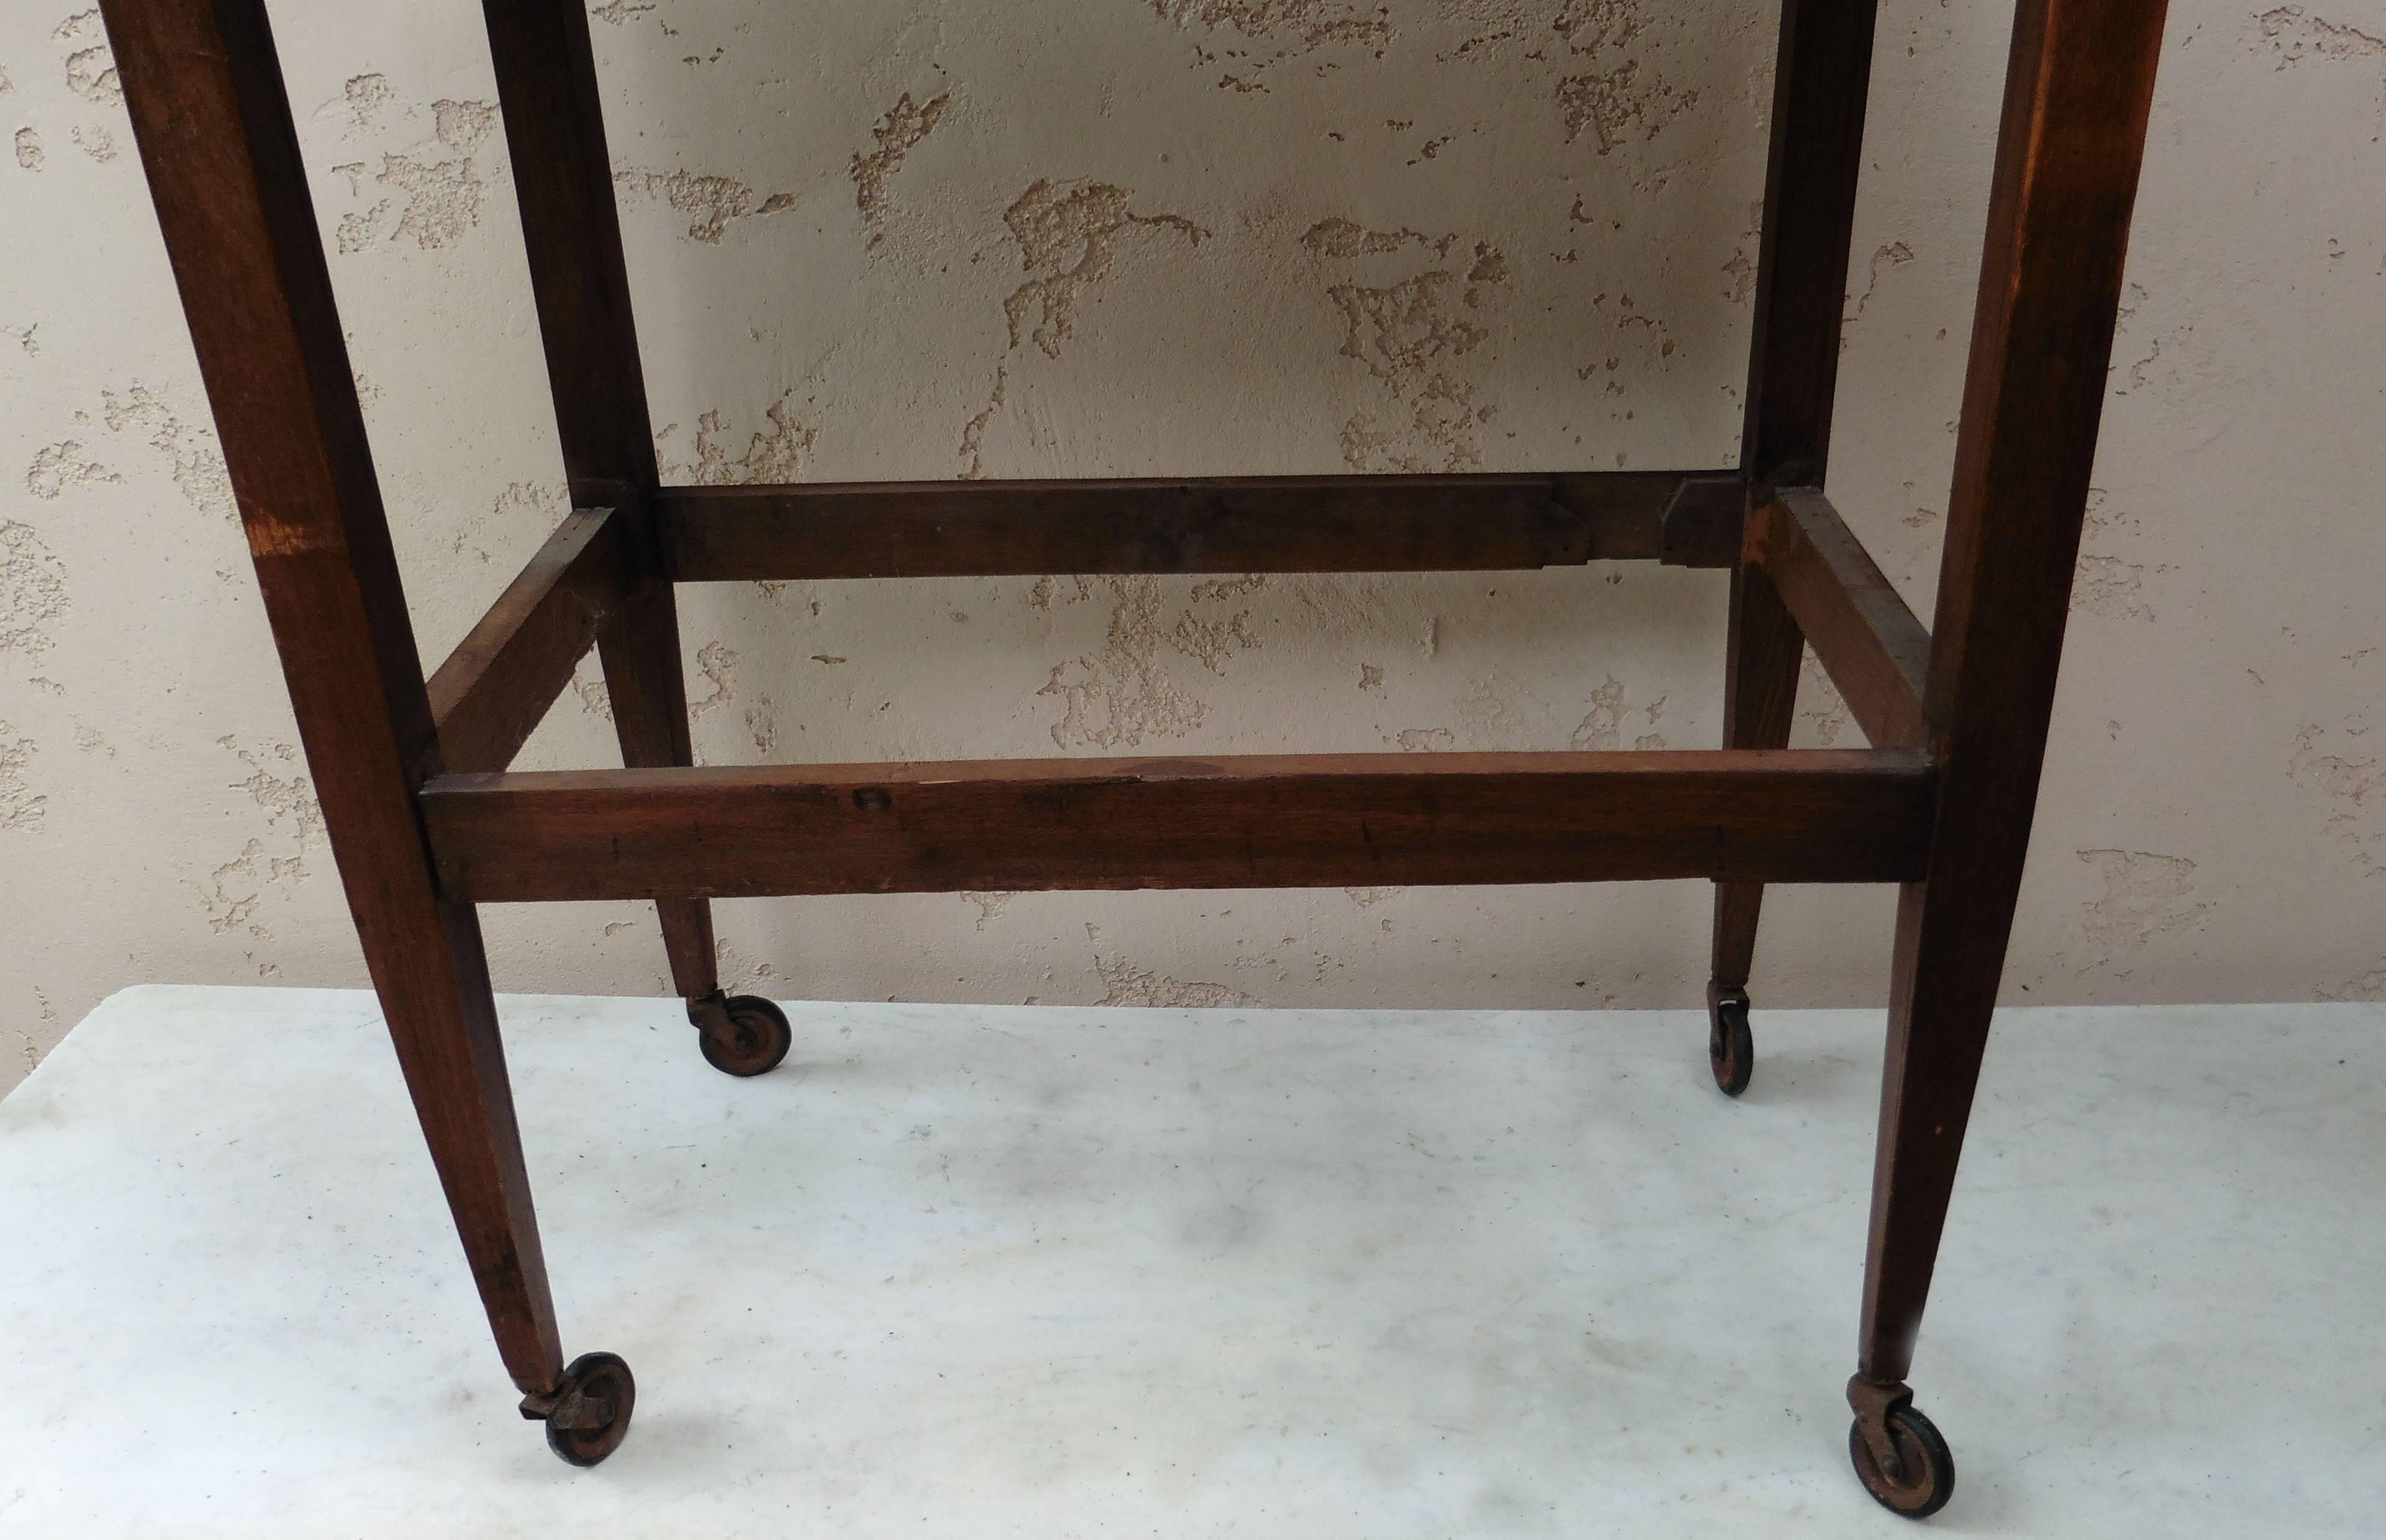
(1858, 624)
(645, 679)
(1704, 524)
(1759, 700)
(1821, 76)
(2077, 94)
(497, 686)
(571, 233)
(1261, 821)
(1822, 71)
(1240, 524)
(204, 89)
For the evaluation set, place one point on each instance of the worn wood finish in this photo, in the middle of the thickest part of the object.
(572, 231)
(204, 93)
(495, 687)
(1322, 820)
(1236, 524)
(2077, 97)
(1858, 624)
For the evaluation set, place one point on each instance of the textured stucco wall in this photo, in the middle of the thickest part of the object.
(918, 238)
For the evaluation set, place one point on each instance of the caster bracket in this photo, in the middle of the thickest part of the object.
(587, 1413)
(1872, 1402)
(709, 1015)
(1732, 1052)
(568, 1405)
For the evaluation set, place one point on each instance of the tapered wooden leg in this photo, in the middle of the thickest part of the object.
(1760, 698)
(571, 233)
(1822, 71)
(2078, 92)
(442, 1021)
(213, 119)
(1943, 989)
(641, 654)
(742, 1034)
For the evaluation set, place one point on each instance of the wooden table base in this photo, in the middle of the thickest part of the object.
(426, 821)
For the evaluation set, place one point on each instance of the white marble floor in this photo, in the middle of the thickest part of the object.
(964, 1272)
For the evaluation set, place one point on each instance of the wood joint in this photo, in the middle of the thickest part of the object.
(1702, 522)
(495, 687)
(1869, 642)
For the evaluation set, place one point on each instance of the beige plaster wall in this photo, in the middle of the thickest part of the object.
(922, 238)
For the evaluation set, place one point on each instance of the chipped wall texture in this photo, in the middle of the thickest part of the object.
(927, 238)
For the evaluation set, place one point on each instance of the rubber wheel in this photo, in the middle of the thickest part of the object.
(1731, 1051)
(598, 1375)
(1929, 1465)
(763, 1037)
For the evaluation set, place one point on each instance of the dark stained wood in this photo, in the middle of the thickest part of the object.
(1822, 73)
(1705, 524)
(1858, 624)
(571, 231)
(212, 121)
(1759, 700)
(1698, 518)
(419, 836)
(1267, 822)
(1242, 524)
(2077, 97)
(648, 692)
(491, 694)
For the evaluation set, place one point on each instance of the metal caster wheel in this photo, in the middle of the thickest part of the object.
(1925, 1468)
(1732, 1052)
(587, 1421)
(759, 1037)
